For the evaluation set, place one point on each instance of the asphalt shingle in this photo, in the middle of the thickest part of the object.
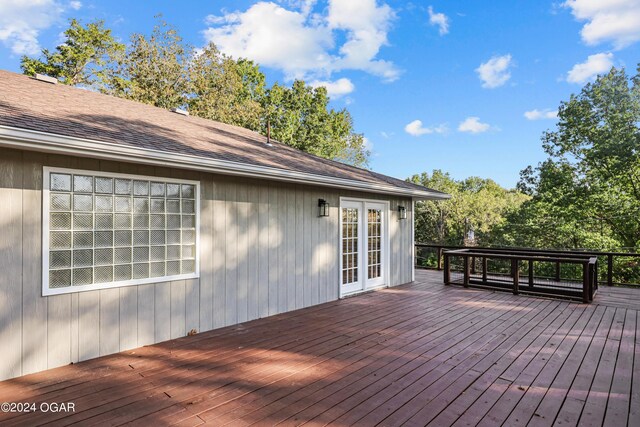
(62, 110)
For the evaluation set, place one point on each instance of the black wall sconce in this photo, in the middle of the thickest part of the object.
(402, 212)
(323, 207)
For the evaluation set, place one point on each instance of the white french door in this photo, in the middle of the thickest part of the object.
(364, 245)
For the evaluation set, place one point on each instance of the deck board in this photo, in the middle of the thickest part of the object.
(418, 354)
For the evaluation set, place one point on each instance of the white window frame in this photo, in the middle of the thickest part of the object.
(46, 291)
(413, 240)
(386, 245)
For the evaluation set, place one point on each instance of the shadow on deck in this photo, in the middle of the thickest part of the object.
(418, 354)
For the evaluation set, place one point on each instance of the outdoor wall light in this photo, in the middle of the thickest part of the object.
(323, 207)
(402, 212)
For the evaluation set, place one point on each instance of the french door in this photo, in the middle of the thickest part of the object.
(364, 245)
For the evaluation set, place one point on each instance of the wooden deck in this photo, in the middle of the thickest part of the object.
(419, 354)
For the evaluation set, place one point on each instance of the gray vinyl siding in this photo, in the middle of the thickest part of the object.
(263, 251)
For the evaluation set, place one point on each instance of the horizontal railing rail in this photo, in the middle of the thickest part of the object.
(618, 268)
(519, 268)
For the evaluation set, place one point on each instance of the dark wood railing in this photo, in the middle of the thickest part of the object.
(615, 268)
(509, 267)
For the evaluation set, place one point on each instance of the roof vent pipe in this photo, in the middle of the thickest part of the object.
(268, 144)
(45, 78)
(180, 111)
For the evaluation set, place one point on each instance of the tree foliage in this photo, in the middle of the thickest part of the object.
(153, 70)
(476, 204)
(226, 90)
(161, 70)
(587, 193)
(81, 58)
(300, 116)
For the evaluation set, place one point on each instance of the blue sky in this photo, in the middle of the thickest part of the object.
(464, 86)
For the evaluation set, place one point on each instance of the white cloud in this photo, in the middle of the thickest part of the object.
(588, 70)
(495, 72)
(439, 19)
(473, 125)
(305, 6)
(215, 20)
(303, 44)
(367, 144)
(366, 25)
(616, 21)
(335, 89)
(75, 5)
(22, 21)
(536, 114)
(415, 128)
(273, 37)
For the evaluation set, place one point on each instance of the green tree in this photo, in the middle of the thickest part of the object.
(153, 70)
(226, 90)
(587, 193)
(433, 219)
(161, 70)
(81, 59)
(300, 116)
(476, 204)
(353, 149)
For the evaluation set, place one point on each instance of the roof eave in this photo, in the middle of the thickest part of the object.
(32, 140)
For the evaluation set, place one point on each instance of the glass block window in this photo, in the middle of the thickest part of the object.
(107, 230)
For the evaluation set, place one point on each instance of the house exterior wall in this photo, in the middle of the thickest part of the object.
(263, 251)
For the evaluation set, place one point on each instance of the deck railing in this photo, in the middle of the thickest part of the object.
(499, 269)
(614, 268)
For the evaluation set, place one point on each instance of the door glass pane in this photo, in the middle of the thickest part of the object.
(349, 245)
(374, 227)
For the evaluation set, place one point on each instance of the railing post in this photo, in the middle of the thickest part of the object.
(484, 269)
(447, 270)
(593, 278)
(465, 264)
(557, 271)
(531, 273)
(473, 265)
(439, 255)
(610, 270)
(585, 282)
(516, 276)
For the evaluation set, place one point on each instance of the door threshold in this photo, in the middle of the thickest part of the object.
(365, 291)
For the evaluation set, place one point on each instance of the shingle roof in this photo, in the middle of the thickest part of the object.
(62, 110)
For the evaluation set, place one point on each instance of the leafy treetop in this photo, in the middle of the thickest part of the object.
(81, 59)
(161, 70)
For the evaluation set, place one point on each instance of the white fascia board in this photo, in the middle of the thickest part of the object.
(28, 139)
